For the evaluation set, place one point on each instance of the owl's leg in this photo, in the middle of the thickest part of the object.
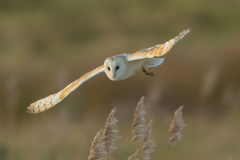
(147, 71)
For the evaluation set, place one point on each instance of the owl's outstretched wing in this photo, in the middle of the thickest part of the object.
(158, 50)
(50, 101)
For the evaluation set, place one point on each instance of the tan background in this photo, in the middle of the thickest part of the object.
(45, 45)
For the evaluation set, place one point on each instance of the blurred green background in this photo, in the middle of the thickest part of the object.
(47, 44)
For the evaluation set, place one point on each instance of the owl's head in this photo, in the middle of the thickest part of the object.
(114, 68)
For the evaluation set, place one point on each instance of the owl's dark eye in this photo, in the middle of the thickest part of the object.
(109, 68)
(117, 67)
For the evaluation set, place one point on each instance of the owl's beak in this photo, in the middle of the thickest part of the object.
(113, 74)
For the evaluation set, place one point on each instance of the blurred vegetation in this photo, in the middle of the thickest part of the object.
(45, 45)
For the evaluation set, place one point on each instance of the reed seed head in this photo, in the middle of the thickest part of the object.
(176, 127)
(148, 143)
(97, 151)
(110, 132)
(138, 126)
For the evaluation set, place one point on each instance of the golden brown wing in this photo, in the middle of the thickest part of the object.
(158, 50)
(50, 101)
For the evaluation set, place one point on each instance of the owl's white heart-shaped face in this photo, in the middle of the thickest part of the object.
(114, 68)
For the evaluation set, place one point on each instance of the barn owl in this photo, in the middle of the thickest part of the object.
(118, 67)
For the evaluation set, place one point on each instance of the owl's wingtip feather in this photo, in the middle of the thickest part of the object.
(30, 107)
(29, 111)
(188, 30)
(182, 34)
(34, 111)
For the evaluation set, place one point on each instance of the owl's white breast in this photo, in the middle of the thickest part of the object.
(132, 67)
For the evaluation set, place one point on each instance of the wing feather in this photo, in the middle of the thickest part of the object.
(158, 50)
(154, 62)
(51, 100)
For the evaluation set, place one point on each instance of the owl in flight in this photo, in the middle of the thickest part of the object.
(118, 67)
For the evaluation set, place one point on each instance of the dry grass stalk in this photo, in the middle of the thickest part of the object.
(138, 126)
(110, 132)
(134, 156)
(148, 143)
(176, 127)
(97, 151)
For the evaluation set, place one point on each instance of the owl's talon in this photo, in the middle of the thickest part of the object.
(147, 71)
